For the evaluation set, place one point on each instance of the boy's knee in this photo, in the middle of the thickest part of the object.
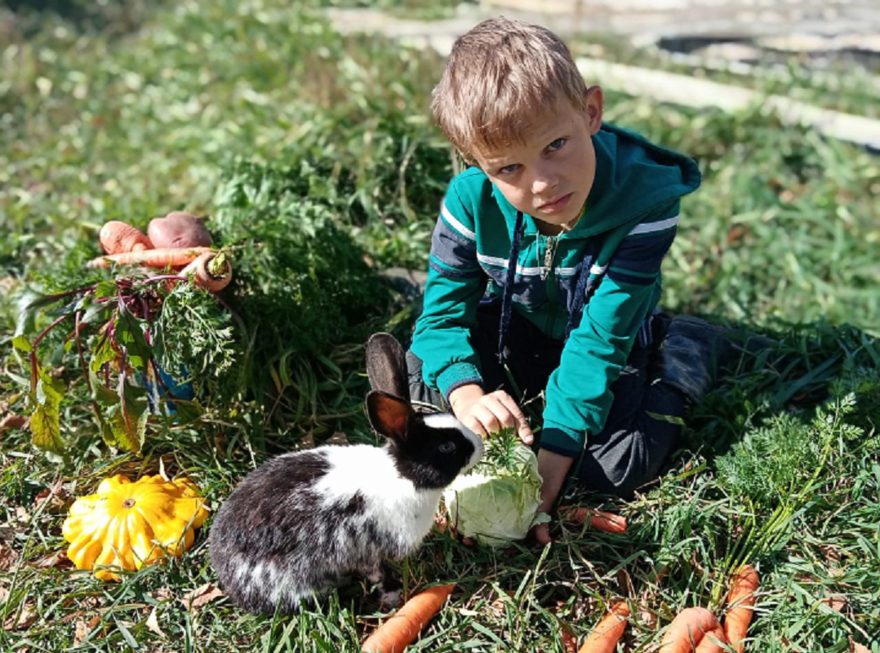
(628, 462)
(419, 391)
(609, 477)
(414, 374)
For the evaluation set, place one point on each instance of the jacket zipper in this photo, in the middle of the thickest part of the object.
(548, 277)
(549, 251)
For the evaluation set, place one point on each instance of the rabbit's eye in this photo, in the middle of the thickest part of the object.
(446, 447)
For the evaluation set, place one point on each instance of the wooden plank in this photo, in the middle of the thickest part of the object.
(693, 92)
(658, 85)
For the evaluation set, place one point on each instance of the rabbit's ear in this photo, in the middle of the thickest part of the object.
(386, 365)
(389, 415)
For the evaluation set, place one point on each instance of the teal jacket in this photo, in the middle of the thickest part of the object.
(629, 223)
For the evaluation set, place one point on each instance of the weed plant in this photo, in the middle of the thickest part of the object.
(312, 157)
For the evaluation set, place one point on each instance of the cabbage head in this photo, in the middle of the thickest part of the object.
(498, 501)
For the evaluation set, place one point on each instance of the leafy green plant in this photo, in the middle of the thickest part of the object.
(778, 460)
(784, 464)
(297, 271)
(195, 337)
(110, 326)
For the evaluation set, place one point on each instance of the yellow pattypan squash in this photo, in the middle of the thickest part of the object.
(129, 525)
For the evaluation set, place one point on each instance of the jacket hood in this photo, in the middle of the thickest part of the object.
(633, 176)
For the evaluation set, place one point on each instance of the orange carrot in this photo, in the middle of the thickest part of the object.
(200, 270)
(152, 258)
(602, 521)
(608, 632)
(688, 630)
(12, 421)
(740, 606)
(713, 641)
(569, 642)
(118, 237)
(404, 626)
(608, 522)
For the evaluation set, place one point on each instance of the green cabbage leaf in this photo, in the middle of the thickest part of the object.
(498, 501)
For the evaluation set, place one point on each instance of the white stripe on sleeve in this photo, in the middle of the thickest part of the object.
(651, 227)
(455, 224)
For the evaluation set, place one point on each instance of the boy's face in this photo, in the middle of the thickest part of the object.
(549, 175)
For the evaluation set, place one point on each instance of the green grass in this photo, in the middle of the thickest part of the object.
(262, 118)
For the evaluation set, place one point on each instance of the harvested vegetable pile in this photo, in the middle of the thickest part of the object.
(117, 323)
(147, 343)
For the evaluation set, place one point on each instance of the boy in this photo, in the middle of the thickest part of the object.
(545, 269)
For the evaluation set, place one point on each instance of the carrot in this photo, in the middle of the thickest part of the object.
(688, 629)
(569, 642)
(152, 258)
(712, 642)
(12, 421)
(606, 522)
(740, 606)
(404, 626)
(608, 632)
(202, 274)
(118, 237)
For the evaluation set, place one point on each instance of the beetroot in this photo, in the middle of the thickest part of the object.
(178, 229)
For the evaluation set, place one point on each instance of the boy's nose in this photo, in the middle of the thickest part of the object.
(542, 181)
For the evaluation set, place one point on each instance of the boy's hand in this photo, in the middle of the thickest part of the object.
(485, 414)
(553, 468)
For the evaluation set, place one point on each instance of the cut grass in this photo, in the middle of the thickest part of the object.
(130, 123)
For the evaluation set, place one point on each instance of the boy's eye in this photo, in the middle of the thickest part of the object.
(508, 169)
(558, 144)
(446, 447)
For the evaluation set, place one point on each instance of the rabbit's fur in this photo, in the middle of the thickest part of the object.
(303, 522)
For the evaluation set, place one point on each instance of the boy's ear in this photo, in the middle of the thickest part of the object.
(593, 108)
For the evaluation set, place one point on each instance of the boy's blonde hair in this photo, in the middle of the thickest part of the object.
(499, 74)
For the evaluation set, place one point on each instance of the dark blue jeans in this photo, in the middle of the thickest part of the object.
(643, 425)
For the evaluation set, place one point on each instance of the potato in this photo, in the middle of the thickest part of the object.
(178, 229)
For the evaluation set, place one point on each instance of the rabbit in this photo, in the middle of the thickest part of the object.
(302, 523)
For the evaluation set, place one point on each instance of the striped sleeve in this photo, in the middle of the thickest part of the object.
(456, 282)
(454, 243)
(579, 393)
(638, 257)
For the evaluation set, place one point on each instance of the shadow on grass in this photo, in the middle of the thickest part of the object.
(792, 377)
(769, 463)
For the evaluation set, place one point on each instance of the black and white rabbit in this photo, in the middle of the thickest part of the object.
(303, 522)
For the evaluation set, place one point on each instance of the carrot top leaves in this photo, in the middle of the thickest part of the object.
(104, 334)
